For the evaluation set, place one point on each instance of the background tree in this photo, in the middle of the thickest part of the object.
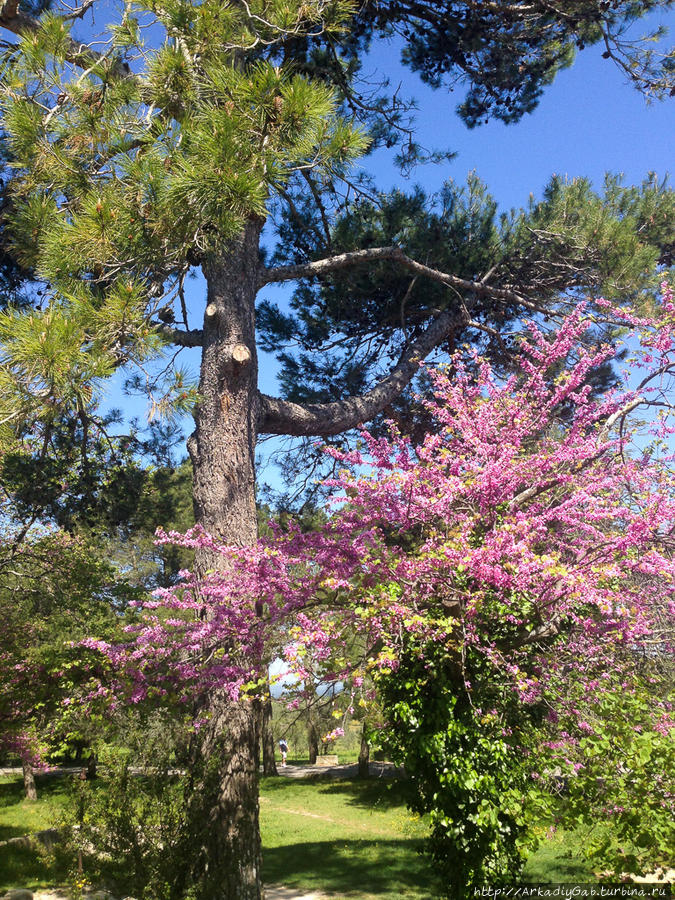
(53, 589)
(507, 54)
(134, 163)
(344, 327)
(80, 507)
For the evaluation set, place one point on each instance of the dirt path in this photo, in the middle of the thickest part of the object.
(348, 824)
(277, 892)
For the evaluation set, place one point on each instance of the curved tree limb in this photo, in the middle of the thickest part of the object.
(324, 419)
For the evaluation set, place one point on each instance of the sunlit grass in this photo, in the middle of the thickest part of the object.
(355, 838)
(20, 816)
(559, 860)
(347, 837)
(22, 866)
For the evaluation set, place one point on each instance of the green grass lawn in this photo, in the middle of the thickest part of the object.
(353, 838)
(348, 838)
(23, 866)
(19, 816)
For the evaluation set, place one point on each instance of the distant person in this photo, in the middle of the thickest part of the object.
(283, 746)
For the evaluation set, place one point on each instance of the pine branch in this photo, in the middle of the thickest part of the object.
(279, 416)
(20, 23)
(376, 254)
(192, 338)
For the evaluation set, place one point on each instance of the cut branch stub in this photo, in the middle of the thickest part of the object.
(241, 354)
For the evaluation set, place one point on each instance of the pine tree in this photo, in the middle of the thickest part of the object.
(164, 147)
(14, 280)
(574, 241)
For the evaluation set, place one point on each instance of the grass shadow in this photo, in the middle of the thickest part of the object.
(31, 867)
(366, 793)
(11, 792)
(10, 831)
(358, 867)
(369, 793)
(279, 783)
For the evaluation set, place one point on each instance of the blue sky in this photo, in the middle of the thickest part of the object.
(587, 123)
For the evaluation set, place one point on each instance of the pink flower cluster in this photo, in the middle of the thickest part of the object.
(532, 515)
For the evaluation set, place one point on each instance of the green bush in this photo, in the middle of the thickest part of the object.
(130, 828)
(463, 772)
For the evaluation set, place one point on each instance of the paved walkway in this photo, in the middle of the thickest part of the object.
(377, 770)
(50, 770)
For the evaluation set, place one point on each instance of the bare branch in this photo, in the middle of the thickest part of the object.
(79, 12)
(193, 338)
(619, 414)
(541, 487)
(324, 419)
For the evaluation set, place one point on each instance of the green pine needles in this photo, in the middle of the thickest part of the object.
(136, 155)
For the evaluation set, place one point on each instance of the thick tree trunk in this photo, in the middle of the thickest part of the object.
(28, 780)
(364, 755)
(222, 451)
(222, 447)
(269, 762)
(225, 805)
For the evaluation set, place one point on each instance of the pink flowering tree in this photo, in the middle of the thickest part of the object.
(510, 581)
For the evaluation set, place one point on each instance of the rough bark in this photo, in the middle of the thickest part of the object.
(222, 446)
(28, 780)
(225, 805)
(364, 755)
(222, 451)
